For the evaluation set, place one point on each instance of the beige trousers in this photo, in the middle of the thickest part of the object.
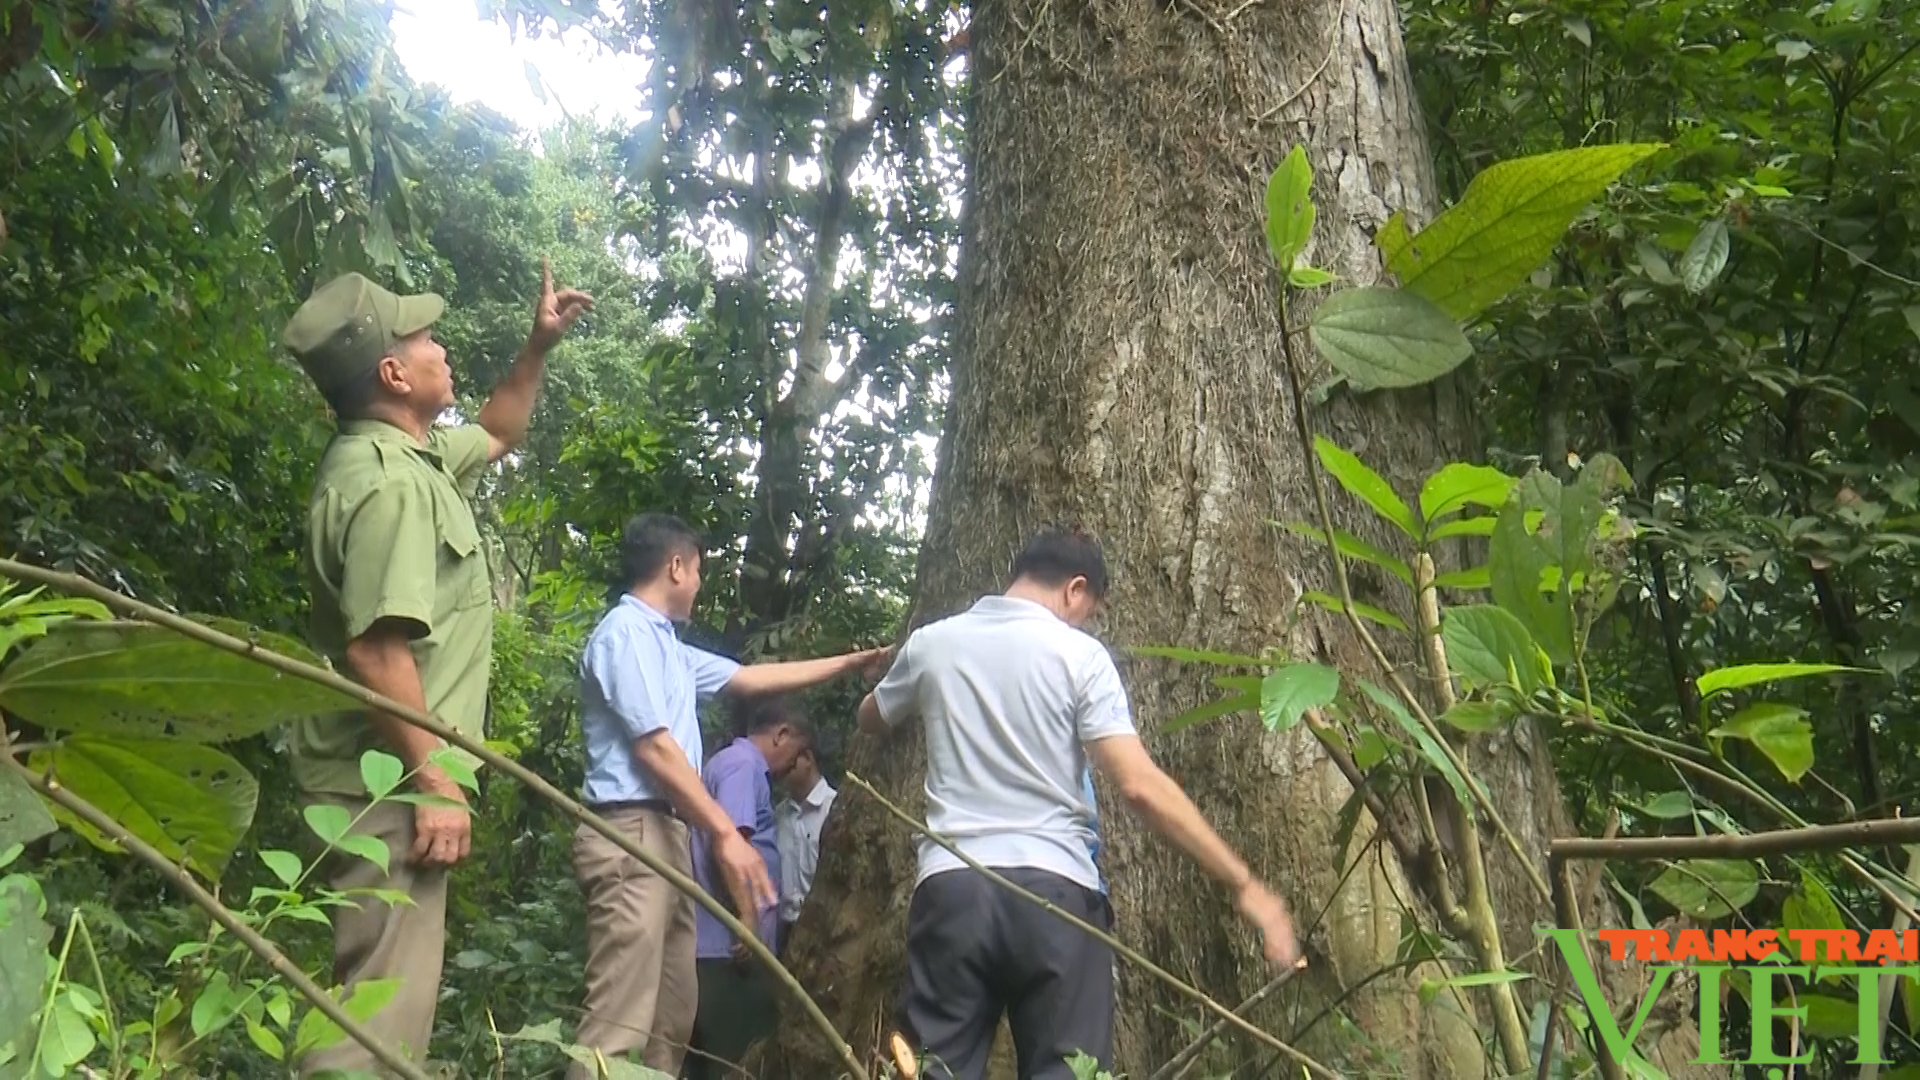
(642, 992)
(375, 940)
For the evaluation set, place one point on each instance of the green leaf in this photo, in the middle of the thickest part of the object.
(1365, 484)
(1288, 692)
(1290, 208)
(1355, 548)
(369, 997)
(328, 822)
(217, 1005)
(1365, 611)
(1487, 646)
(1721, 680)
(1811, 907)
(1308, 277)
(67, 1041)
(1668, 805)
(1459, 485)
(1474, 717)
(1429, 749)
(458, 765)
(380, 772)
(23, 817)
(1705, 257)
(1212, 710)
(1197, 656)
(1387, 338)
(267, 1041)
(1510, 219)
(1708, 888)
(1830, 1017)
(128, 679)
(192, 802)
(285, 865)
(1779, 731)
(1430, 988)
(1516, 566)
(24, 936)
(1479, 526)
(371, 848)
(1474, 578)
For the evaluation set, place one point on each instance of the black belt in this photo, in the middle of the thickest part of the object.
(658, 806)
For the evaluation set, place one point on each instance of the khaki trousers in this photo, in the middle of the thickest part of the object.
(375, 940)
(641, 989)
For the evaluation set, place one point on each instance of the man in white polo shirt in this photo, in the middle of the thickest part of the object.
(1015, 699)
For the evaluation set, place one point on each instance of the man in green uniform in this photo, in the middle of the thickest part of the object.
(402, 603)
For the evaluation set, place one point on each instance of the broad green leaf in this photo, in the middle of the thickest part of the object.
(1429, 749)
(1212, 710)
(1487, 646)
(1308, 277)
(1779, 731)
(1197, 656)
(1290, 208)
(130, 679)
(458, 765)
(1478, 526)
(1475, 578)
(1721, 680)
(1370, 748)
(192, 802)
(1365, 611)
(1708, 888)
(285, 865)
(1517, 563)
(67, 1039)
(1366, 485)
(1510, 219)
(1474, 717)
(1668, 805)
(24, 936)
(1288, 692)
(267, 1041)
(23, 817)
(368, 998)
(1387, 338)
(217, 1005)
(371, 848)
(1430, 988)
(380, 772)
(1459, 485)
(1355, 548)
(1811, 907)
(1910, 1002)
(1705, 257)
(328, 822)
(1830, 1017)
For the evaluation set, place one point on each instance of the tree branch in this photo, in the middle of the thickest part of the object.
(73, 583)
(1749, 846)
(1177, 1066)
(249, 937)
(1119, 948)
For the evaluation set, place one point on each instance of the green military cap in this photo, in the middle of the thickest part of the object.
(349, 324)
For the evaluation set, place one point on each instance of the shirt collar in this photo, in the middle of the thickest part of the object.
(647, 611)
(1001, 604)
(817, 798)
(750, 749)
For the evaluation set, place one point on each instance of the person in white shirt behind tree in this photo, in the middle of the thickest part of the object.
(798, 820)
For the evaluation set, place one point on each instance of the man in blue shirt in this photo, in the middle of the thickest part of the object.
(737, 1004)
(640, 689)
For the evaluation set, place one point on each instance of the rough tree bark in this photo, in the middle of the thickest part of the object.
(1121, 368)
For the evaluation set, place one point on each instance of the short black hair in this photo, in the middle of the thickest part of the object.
(764, 713)
(1056, 556)
(648, 542)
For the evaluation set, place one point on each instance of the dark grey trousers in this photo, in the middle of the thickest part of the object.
(976, 951)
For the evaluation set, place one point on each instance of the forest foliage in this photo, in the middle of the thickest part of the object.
(1677, 273)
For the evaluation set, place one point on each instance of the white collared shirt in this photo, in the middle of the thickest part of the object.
(797, 825)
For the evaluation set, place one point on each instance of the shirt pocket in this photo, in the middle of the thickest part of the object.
(464, 581)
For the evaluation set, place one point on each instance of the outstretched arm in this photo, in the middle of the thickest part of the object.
(791, 675)
(1165, 808)
(509, 409)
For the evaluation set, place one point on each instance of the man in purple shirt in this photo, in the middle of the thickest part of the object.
(738, 1004)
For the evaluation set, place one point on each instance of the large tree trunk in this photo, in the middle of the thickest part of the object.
(1121, 367)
